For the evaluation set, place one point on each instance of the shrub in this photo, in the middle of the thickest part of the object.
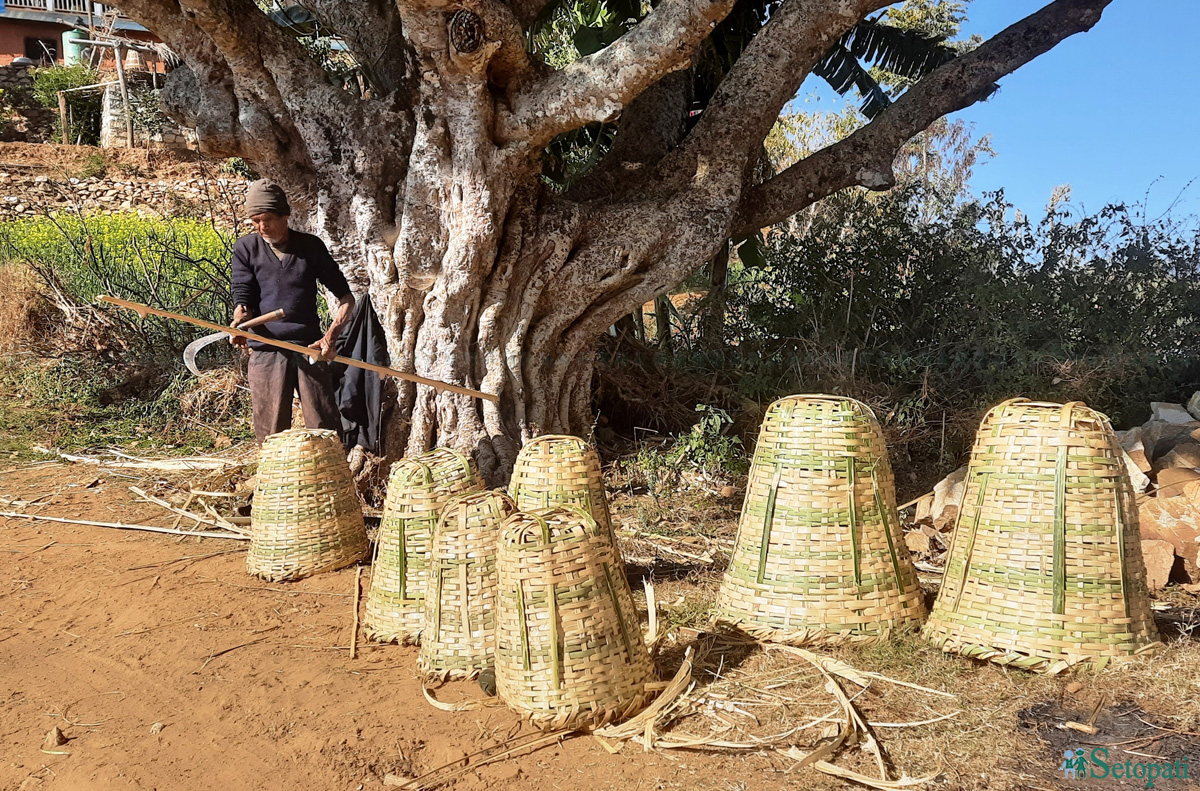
(84, 106)
(176, 264)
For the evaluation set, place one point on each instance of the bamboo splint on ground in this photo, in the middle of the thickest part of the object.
(146, 310)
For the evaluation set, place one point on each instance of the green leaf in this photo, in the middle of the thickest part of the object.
(588, 40)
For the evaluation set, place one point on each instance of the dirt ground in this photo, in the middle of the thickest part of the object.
(167, 667)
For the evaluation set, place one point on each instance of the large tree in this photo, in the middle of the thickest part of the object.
(429, 186)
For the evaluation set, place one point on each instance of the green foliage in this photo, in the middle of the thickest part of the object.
(84, 106)
(710, 449)
(164, 263)
(145, 109)
(976, 306)
(236, 166)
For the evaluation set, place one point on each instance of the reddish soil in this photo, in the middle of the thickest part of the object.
(114, 637)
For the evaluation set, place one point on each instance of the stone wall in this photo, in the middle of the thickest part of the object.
(24, 194)
(28, 121)
(113, 129)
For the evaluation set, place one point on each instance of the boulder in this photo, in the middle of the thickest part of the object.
(1170, 413)
(947, 497)
(1135, 448)
(1172, 480)
(1159, 437)
(1159, 557)
(1185, 454)
(1193, 405)
(1175, 520)
(1139, 479)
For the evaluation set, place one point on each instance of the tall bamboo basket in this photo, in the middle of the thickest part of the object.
(819, 556)
(459, 639)
(557, 469)
(569, 648)
(306, 517)
(418, 488)
(1045, 570)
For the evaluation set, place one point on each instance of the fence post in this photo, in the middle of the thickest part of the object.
(62, 117)
(120, 53)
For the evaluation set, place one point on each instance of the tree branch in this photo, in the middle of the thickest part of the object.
(762, 81)
(372, 31)
(597, 87)
(865, 157)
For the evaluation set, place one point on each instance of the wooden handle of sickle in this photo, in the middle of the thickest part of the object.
(258, 321)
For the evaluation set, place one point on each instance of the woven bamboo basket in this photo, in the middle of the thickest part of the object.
(556, 469)
(418, 488)
(306, 517)
(819, 556)
(569, 648)
(459, 639)
(1045, 570)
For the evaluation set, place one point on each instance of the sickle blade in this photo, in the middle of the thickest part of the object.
(189, 354)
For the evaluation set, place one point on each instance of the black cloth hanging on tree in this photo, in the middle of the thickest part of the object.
(360, 392)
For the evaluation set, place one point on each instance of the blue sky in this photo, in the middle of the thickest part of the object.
(1108, 111)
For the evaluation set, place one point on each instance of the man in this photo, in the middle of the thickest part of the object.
(278, 267)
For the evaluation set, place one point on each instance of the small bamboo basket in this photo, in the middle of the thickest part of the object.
(569, 649)
(1045, 570)
(819, 556)
(459, 639)
(557, 469)
(418, 488)
(306, 517)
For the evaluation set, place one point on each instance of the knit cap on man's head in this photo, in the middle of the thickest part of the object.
(265, 195)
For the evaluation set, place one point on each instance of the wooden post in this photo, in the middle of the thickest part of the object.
(120, 53)
(62, 118)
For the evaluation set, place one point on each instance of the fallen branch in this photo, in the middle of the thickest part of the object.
(122, 526)
(200, 520)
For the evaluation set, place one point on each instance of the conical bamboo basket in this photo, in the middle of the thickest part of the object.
(819, 556)
(418, 488)
(306, 517)
(569, 649)
(1045, 570)
(459, 638)
(557, 469)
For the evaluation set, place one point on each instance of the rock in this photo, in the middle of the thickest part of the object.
(917, 542)
(1132, 443)
(1139, 479)
(1175, 520)
(1159, 437)
(1172, 480)
(947, 497)
(1170, 413)
(1193, 405)
(54, 738)
(1159, 557)
(1185, 454)
(1074, 687)
(156, 729)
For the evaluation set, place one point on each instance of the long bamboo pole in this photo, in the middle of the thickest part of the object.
(146, 310)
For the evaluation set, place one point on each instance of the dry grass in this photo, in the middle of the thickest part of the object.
(1008, 733)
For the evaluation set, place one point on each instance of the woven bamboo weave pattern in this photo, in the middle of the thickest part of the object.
(557, 469)
(569, 648)
(819, 556)
(306, 517)
(418, 488)
(459, 639)
(1045, 569)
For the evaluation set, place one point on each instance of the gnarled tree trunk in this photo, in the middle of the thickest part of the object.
(429, 191)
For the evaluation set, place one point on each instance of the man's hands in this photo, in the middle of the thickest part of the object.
(326, 347)
(240, 314)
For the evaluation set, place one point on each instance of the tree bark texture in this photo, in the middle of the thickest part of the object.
(428, 190)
